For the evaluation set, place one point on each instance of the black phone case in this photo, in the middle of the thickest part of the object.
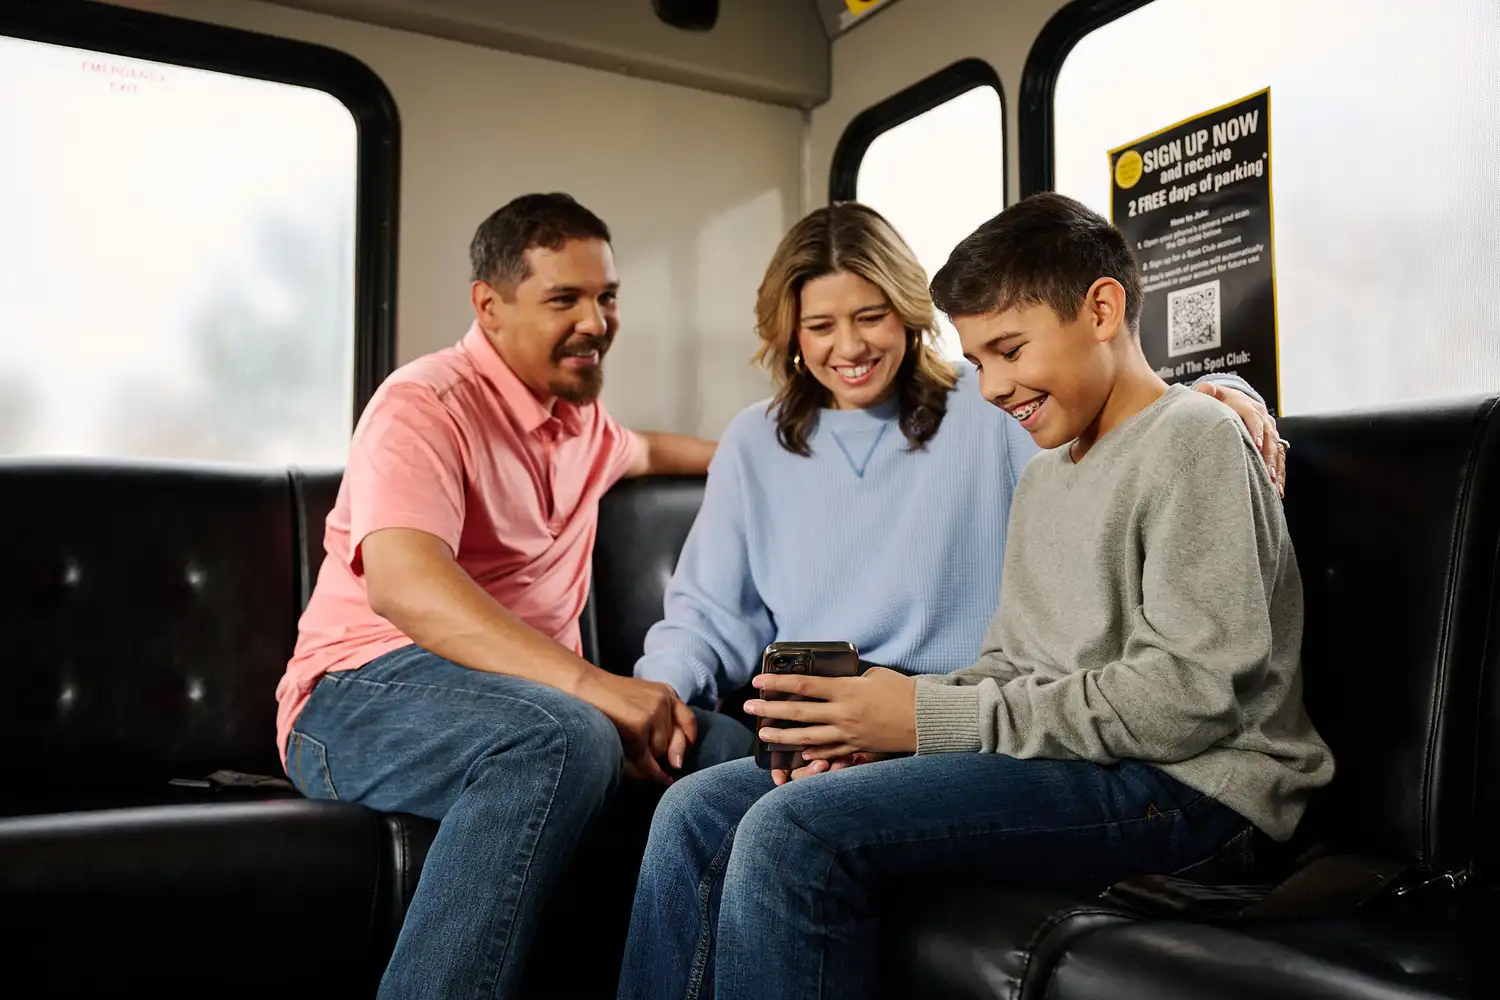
(818, 659)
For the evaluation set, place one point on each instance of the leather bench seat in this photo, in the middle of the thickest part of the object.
(1395, 515)
(1438, 949)
(150, 609)
(210, 896)
(968, 943)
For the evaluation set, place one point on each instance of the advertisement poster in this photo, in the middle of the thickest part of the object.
(1194, 200)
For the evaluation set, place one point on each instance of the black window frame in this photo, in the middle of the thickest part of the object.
(921, 97)
(1044, 62)
(103, 27)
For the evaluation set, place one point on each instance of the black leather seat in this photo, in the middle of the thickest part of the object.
(150, 609)
(1422, 949)
(643, 524)
(1395, 515)
(146, 609)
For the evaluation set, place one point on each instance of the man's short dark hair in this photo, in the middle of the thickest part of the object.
(498, 252)
(1045, 250)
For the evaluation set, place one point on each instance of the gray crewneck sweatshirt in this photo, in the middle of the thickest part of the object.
(1151, 609)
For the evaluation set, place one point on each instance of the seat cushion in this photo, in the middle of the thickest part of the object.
(1438, 948)
(217, 895)
(983, 944)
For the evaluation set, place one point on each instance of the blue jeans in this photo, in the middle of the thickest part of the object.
(754, 891)
(515, 771)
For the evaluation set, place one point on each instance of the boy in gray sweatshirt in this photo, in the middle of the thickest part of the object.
(1120, 635)
(1137, 705)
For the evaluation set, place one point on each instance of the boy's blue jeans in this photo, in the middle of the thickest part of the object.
(751, 891)
(515, 770)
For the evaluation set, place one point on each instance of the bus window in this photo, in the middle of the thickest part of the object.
(1383, 149)
(935, 164)
(177, 257)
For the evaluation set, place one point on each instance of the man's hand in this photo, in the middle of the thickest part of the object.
(1261, 425)
(874, 712)
(781, 776)
(653, 722)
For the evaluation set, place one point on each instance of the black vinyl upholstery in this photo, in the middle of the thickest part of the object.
(146, 609)
(642, 526)
(196, 899)
(151, 607)
(1395, 516)
(313, 496)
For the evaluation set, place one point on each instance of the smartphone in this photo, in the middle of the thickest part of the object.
(817, 659)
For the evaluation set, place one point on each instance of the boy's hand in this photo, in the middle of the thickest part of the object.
(781, 776)
(1261, 425)
(877, 711)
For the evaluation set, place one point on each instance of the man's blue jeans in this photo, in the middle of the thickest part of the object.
(751, 891)
(516, 771)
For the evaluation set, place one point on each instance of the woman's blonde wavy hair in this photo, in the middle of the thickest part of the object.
(848, 236)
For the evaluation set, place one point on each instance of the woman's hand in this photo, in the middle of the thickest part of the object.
(1261, 425)
(874, 712)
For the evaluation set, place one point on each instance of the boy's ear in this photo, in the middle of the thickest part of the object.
(1105, 305)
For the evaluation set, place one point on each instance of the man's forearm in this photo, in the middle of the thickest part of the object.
(675, 454)
(440, 608)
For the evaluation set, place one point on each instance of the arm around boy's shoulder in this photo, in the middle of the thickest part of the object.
(1198, 442)
(1211, 509)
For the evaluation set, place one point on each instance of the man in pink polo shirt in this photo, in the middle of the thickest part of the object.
(437, 669)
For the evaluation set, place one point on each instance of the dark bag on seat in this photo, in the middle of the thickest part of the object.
(1328, 886)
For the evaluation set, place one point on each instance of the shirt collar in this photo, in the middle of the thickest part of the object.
(533, 416)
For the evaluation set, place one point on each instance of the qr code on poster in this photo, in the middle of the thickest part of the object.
(1193, 319)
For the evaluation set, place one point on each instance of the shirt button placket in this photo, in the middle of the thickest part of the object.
(549, 452)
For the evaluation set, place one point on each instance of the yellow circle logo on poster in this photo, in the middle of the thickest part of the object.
(859, 6)
(1128, 169)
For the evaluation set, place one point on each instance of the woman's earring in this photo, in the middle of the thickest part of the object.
(797, 362)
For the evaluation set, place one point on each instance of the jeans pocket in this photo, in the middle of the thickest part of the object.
(307, 766)
(1231, 863)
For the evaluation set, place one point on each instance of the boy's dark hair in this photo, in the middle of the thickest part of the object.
(498, 251)
(1044, 250)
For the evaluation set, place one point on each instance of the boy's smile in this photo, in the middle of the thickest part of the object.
(1052, 375)
(1029, 412)
(1065, 379)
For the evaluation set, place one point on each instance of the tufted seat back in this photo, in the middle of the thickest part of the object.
(147, 614)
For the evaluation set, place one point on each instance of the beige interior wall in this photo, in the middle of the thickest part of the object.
(914, 39)
(697, 188)
(767, 50)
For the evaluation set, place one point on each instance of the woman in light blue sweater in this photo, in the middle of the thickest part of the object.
(868, 501)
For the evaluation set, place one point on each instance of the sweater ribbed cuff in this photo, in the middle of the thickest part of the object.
(947, 719)
(677, 671)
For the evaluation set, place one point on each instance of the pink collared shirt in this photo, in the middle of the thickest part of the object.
(455, 445)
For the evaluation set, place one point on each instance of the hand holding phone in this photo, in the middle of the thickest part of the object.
(816, 659)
